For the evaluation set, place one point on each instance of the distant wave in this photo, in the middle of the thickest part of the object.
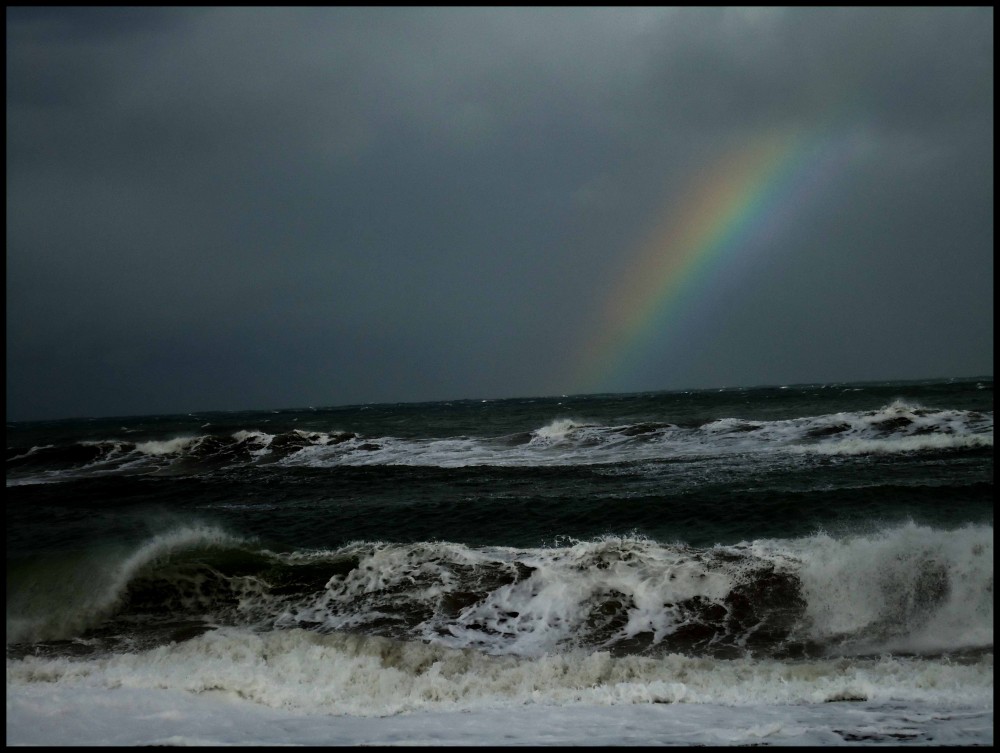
(899, 427)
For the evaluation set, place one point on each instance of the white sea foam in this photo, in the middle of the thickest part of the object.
(173, 446)
(551, 607)
(46, 478)
(451, 452)
(30, 452)
(561, 428)
(906, 588)
(529, 615)
(344, 673)
(259, 441)
(135, 716)
(897, 428)
(896, 445)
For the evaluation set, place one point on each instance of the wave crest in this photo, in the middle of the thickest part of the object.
(64, 598)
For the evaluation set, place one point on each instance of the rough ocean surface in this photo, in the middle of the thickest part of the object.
(810, 564)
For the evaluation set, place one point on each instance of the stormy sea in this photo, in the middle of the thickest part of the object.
(787, 565)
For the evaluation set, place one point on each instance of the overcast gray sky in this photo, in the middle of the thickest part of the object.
(234, 208)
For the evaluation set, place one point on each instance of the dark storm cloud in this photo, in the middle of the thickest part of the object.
(236, 208)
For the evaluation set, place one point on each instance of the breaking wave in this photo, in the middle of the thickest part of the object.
(907, 588)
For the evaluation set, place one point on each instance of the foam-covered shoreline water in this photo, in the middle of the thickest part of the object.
(241, 687)
(348, 673)
(138, 716)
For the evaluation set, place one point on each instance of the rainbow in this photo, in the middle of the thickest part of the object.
(734, 207)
